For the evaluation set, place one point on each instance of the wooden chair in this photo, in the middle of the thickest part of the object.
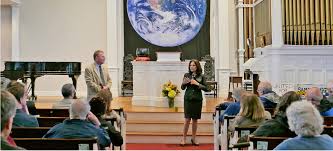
(235, 80)
(266, 143)
(53, 112)
(29, 132)
(50, 121)
(209, 72)
(214, 87)
(328, 120)
(127, 82)
(57, 143)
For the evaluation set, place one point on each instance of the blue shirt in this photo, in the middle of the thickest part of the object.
(22, 119)
(232, 109)
(322, 142)
(327, 113)
(77, 128)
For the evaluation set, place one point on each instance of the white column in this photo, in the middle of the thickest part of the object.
(115, 43)
(241, 49)
(223, 43)
(15, 32)
(276, 17)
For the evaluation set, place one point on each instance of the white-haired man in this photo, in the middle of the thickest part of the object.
(305, 120)
(314, 96)
(82, 124)
(267, 96)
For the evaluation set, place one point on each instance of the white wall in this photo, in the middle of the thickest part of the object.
(6, 33)
(61, 30)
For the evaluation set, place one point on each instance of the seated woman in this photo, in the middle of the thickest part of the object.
(252, 112)
(305, 120)
(107, 96)
(279, 123)
(98, 108)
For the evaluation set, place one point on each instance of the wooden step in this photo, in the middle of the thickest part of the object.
(166, 138)
(164, 116)
(166, 126)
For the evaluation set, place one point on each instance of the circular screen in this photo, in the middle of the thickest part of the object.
(167, 23)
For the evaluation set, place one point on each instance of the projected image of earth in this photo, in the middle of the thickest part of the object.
(167, 23)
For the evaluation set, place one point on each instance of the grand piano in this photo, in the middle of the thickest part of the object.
(15, 70)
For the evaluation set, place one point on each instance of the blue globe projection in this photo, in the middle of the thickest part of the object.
(167, 23)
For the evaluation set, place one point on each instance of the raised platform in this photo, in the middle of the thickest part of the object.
(156, 124)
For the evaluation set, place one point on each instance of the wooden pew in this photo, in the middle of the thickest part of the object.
(50, 121)
(29, 132)
(57, 143)
(53, 112)
(328, 120)
(266, 143)
(328, 130)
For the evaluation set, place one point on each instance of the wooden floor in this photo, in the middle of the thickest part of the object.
(126, 104)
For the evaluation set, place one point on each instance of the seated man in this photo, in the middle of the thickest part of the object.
(314, 96)
(233, 108)
(22, 117)
(305, 120)
(98, 108)
(8, 106)
(82, 124)
(68, 91)
(268, 97)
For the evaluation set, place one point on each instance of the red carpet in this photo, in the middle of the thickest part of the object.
(168, 147)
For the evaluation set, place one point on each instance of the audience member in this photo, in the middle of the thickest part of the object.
(68, 92)
(268, 97)
(314, 96)
(234, 107)
(98, 108)
(252, 112)
(107, 96)
(22, 117)
(82, 124)
(305, 120)
(8, 106)
(279, 125)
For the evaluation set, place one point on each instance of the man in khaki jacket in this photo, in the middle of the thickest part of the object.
(97, 75)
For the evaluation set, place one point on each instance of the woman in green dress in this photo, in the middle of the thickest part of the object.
(193, 81)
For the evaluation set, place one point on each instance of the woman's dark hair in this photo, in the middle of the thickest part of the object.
(98, 106)
(287, 99)
(197, 64)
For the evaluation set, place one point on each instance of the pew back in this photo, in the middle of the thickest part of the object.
(29, 132)
(50, 121)
(266, 143)
(53, 112)
(57, 143)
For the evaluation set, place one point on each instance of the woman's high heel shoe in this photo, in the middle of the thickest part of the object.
(194, 143)
(182, 143)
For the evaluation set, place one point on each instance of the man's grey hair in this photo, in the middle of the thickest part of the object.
(264, 87)
(304, 119)
(68, 90)
(237, 93)
(8, 107)
(79, 109)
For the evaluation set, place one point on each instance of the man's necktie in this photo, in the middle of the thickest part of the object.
(101, 75)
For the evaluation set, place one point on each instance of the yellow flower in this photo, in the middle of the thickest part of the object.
(172, 94)
(168, 89)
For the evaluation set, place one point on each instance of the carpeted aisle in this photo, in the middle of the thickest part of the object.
(168, 147)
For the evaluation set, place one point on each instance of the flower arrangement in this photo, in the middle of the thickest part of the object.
(170, 91)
